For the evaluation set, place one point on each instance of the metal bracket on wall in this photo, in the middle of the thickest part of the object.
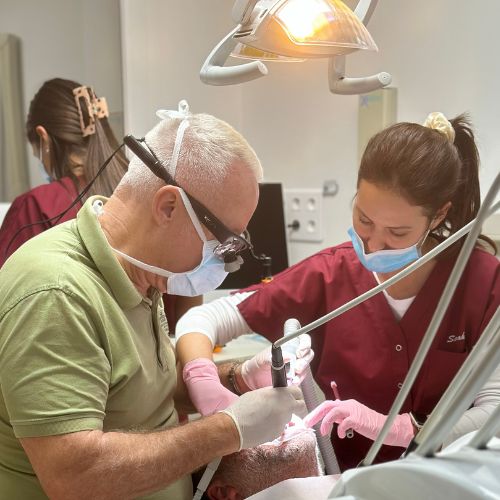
(330, 188)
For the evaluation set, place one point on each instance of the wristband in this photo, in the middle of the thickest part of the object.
(232, 379)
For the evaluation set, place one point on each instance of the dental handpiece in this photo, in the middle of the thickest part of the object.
(278, 368)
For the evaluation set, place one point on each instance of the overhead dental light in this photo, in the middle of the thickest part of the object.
(295, 30)
(304, 28)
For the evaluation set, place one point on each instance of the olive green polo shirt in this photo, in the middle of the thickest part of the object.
(80, 349)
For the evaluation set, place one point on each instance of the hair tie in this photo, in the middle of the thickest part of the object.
(437, 121)
(96, 107)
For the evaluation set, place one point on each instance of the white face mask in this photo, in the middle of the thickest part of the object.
(205, 277)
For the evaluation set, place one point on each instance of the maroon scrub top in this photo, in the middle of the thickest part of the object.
(40, 203)
(366, 350)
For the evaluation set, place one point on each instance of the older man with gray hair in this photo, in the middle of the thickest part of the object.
(87, 371)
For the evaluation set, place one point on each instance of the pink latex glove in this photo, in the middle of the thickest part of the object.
(351, 414)
(256, 372)
(205, 388)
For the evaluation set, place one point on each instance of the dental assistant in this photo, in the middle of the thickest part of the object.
(68, 130)
(72, 138)
(416, 185)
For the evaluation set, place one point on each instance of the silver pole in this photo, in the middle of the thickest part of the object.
(459, 395)
(487, 431)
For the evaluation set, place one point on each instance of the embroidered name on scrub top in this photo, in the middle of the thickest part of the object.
(455, 338)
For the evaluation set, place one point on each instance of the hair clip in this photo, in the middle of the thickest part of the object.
(89, 108)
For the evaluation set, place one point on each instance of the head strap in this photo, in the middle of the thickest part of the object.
(184, 114)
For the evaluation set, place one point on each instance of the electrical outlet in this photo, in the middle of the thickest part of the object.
(304, 214)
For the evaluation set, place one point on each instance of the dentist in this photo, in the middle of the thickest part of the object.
(89, 387)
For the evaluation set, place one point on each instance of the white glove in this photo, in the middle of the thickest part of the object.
(256, 372)
(261, 415)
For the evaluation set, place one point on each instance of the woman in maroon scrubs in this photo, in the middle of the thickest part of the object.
(416, 185)
(68, 130)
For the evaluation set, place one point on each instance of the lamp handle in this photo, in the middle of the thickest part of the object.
(340, 84)
(213, 71)
(242, 10)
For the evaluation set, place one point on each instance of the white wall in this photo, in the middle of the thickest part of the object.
(442, 55)
(164, 44)
(74, 39)
(305, 135)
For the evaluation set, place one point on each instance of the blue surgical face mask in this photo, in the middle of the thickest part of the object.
(386, 261)
(45, 176)
(205, 277)
(43, 171)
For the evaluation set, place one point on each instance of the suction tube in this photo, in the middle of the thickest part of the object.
(324, 443)
(312, 400)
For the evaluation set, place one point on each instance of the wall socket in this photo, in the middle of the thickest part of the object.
(304, 214)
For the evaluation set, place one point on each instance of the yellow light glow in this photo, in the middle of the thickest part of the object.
(247, 52)
(304, 18)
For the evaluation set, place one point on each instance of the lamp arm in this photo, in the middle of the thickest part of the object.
(340, 84)
(242, 10)
(364, 10)
(213, 71)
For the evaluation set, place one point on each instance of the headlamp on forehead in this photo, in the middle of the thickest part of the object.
(230, 245)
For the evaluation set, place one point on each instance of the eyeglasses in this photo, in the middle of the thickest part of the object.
(231, 245)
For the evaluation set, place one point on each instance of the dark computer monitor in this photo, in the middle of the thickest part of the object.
(268, 236)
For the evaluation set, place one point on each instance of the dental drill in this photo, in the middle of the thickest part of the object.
(278, 366)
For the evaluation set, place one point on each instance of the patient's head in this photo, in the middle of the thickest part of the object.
(249, 471)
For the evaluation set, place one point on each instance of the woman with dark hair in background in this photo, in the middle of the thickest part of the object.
(417, 185)
(68, 130)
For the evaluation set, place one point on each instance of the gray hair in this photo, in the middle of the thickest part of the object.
(209, 153)
(255, 469)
